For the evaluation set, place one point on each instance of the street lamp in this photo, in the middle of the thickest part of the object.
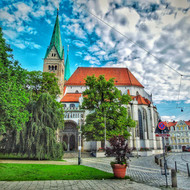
(105, 132)
(79, 147)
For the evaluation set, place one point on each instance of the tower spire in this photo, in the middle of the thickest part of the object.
(67, 66)
(56, 39)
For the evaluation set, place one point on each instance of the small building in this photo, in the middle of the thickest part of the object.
(179, 135)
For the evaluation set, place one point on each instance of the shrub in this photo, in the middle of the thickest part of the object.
(119, 149)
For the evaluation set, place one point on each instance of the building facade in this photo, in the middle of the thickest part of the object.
(141, 108)
(179, 135)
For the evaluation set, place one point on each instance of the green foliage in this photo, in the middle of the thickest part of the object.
(42, 82)
(37, 139)
(13, 97)
(29, 118)
(109, 106)
(33, 172)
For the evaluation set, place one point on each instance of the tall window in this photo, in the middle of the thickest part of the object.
(145, 122)
(140, 124)
(72, 106)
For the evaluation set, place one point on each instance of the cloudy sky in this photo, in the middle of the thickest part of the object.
(150, 37)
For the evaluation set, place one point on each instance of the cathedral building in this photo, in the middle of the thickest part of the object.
(141, 107)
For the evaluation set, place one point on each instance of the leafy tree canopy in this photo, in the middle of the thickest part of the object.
(108, 105)
(13, 97)
(42, 82)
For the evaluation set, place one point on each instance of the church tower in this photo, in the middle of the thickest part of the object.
(54, 57)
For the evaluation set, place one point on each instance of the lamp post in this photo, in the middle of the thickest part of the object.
(79, 147)
(105, 132)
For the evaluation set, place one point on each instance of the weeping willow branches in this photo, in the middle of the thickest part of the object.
(38, 140)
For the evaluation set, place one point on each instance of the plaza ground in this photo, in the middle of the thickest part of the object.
(145, 173)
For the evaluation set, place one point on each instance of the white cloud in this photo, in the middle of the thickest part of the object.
(75, 29)
(187, 102)
(10, 34)
(168, 118)
(24, 44)
(78, 43)
(179, 3)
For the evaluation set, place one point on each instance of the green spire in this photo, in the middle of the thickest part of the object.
(56, 40)
(67, 67)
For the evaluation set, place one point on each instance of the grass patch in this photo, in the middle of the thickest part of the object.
(32, 172)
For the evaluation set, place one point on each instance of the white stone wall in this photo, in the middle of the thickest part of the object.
(149, 140)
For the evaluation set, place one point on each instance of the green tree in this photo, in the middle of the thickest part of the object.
(37, 140)
(106, 103)
(13, 97)
(42, 82)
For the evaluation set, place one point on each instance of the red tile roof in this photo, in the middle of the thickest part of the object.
(64, 90)
(170, 124)
(141, 100)
(74, 97)
(188, 123)
(122, 76)
(71, 97)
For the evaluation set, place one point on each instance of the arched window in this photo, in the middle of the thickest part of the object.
(52, 54)
(64, 106)
(137, 93)
(53, 68)
(140, 124)
(49, 67)
(72, 106)
(76, 91)
(56, 67)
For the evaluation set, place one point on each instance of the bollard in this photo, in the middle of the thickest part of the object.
(173, 178)
(160, 162)
(175, 166)
(188, 172)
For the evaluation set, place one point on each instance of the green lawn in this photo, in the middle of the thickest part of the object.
(31, 172)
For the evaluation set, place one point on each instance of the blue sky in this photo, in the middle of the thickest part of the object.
(160, 26)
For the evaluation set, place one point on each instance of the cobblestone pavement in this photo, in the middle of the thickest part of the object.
(181, 158)
(141, 169)
(74, 185)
